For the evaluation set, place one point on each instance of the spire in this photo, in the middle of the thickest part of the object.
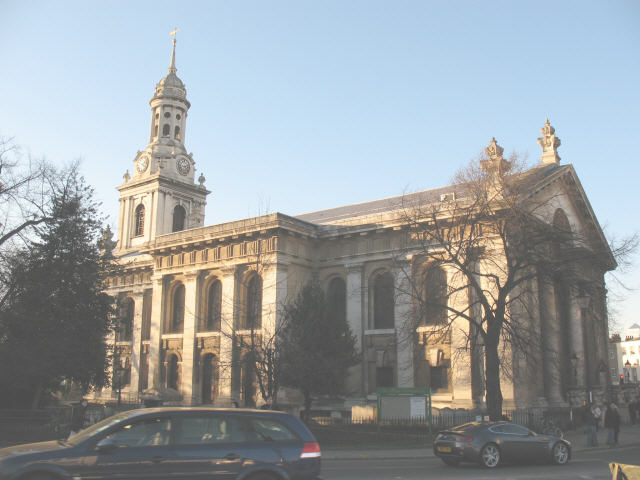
(549, 143)
(172, 65)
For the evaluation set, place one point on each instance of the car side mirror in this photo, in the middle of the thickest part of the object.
(106, 445)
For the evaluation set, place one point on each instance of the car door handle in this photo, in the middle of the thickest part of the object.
(157, 459)
(231, 456)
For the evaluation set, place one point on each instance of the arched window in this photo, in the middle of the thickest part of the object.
(435, 296)
(176, 133)
(172, 372)
(125, 326)
(337, 301)
(383, 301)
(214, 307)
(139, 220)
(179, 215)
(177, 311)
(253, 313)
(166, 130)
(561, 222)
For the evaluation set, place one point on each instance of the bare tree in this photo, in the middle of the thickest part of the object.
(24, 191)
(480, 252)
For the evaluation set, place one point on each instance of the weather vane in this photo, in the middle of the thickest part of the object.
(174, 32)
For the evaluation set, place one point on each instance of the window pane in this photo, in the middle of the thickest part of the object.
(206, 429)
(155, 431)
(269, 430)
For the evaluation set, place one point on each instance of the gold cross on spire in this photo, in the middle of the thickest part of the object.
(173, 32)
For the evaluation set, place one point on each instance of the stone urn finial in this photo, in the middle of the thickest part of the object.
(494, 162)
(549, 143)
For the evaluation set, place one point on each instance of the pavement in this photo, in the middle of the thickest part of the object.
(629, 436)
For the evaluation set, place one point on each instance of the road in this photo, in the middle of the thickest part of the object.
(585, 465)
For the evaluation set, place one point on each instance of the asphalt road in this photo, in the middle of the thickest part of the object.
(585, 465)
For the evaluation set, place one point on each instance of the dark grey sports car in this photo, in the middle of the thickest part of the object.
(492, 443)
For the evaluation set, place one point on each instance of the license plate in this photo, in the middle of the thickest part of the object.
(444, 449)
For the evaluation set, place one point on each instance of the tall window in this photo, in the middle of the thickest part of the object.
(173, 372)
(214, 307)
(177, 311)
(166, 128)
(125, 326)
(176, 134)
(179, 215)
(435, 296)
(337, 301)
(383, 301)
(253, 314)
(139, 220)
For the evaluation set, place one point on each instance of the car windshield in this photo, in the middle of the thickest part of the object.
(96, 428)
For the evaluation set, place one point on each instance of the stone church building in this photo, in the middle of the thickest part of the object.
(186, 290)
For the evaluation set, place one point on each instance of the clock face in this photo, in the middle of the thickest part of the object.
(142, 164)
(183, 166)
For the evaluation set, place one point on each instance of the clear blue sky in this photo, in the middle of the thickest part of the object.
(304, 105)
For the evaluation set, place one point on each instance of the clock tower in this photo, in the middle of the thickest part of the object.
(161, 196)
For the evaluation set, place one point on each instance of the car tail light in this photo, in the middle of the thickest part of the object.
(310, 450)
(462, 438)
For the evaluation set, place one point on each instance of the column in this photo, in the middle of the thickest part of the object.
(550, 344)
(355, 378)
(577, 343)
(189, 337)
(226, 336)
(157, 315)
(136, 337)
(126, 222)
(405, 327)
(461, 385)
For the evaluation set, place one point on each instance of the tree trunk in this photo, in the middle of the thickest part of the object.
(492, 374)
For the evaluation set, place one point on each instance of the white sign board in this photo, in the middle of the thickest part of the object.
(417, 407)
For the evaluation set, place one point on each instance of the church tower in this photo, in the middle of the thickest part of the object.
(162, 197)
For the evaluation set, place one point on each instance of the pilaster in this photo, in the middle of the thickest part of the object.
(404, 324)
(157, 320)
(226, 336)
(136, 337)
(356, 375)
(189, 337)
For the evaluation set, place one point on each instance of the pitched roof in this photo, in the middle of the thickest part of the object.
(386, 205)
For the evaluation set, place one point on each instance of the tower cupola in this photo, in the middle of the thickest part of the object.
(169, 107)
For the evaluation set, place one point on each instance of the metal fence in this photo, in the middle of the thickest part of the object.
(20, 426)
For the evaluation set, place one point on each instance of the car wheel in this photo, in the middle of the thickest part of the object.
(453, 462)
(264, 476)
(40, 476)
(560, 453)
(490, 455)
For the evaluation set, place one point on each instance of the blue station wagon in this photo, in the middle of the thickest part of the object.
(171, 443)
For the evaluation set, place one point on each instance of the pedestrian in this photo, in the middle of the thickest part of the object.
(78, 414)
(589, 421)
(633, 408)
(612, 422)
